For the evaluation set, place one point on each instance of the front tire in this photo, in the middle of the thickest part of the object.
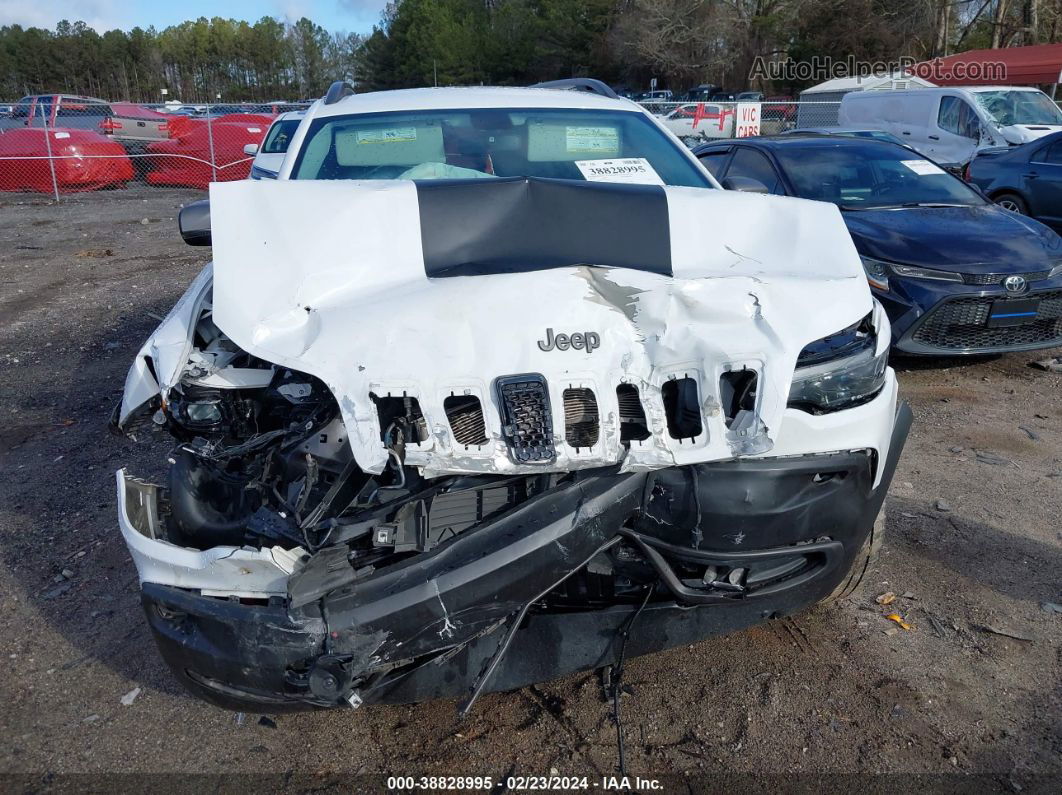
(1012, 202)
(864, 559)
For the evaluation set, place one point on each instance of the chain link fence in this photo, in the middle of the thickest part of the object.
(62, 145)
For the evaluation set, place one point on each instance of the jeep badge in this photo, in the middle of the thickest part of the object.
(587, 340)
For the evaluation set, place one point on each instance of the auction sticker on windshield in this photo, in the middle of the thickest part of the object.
(923, 167)
(635, 170)
(387, 135)
(602, 140)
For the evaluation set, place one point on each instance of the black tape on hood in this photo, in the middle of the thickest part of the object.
(478, 227)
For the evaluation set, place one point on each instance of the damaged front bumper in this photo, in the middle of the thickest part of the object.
(538, 592)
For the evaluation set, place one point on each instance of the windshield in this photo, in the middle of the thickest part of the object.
(279, 136)
(592, 145)
(865, 174)
(1019, 107)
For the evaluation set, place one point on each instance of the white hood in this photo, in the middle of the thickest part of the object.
(329, 278)
(1015, 134)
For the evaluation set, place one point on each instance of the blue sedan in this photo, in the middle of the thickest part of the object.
(1026, 179)
(956, 273)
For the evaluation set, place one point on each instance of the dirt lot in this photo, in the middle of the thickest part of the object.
(974, 546)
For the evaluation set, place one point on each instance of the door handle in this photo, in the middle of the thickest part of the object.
(906, 132)
(934, 138)
(1031, 175)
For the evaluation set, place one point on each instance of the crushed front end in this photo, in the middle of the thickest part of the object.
(376, 495)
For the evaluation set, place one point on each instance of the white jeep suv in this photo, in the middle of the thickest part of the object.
(483, 373)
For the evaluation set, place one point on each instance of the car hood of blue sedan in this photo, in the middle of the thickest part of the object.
(985, 239)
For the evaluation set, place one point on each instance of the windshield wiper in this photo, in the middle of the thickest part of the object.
(934, 204)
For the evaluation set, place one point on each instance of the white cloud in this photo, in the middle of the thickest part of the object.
(293, 10)
(359, 15)
(101, 15)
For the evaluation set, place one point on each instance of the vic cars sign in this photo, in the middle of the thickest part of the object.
(748, 119)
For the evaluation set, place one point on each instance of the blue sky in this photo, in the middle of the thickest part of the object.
(336, 15)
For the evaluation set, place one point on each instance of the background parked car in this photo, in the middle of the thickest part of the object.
(1026, 179)
(956, 273)
(750, 96)
(699, 93)
(700, 120)
(269, 156)
(656, 101)
(182, 125)
(82, 159)
(132, 125)
(205, 155)
(948, 125)
(850, 132)
(780, 107)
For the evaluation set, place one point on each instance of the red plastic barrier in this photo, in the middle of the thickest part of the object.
(84, 160)
(187, 160)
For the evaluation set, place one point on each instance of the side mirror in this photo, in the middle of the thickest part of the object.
(194, 222)
(250, 149)
(745, 185)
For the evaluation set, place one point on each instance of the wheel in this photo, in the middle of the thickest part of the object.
(1012, 202)
(862, 563)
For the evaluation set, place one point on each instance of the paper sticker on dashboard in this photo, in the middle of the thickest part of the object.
(387, 135)
(636, 170)
(602, 140)
(923, 167)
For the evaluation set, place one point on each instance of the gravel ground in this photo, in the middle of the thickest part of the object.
(970, 695)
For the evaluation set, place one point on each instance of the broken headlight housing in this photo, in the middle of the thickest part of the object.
(840, 371)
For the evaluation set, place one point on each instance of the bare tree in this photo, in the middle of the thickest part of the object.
(683, 40)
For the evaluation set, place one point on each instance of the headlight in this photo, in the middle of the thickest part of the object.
(877, 272)
(839, 371)
(1055, 271)
(925, 273)
(203, 413)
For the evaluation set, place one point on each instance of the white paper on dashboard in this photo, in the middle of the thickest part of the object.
(635, 170)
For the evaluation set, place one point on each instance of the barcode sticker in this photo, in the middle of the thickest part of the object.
(636, 170)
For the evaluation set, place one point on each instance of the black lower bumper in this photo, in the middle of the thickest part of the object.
(427, 628)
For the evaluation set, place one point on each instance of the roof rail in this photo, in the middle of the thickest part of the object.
(338, 90)
(580, 84)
